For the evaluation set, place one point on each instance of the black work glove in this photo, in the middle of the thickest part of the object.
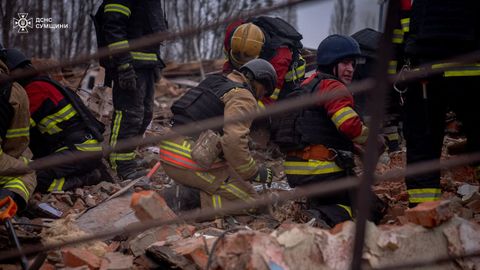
(127, 79)
(264, 176)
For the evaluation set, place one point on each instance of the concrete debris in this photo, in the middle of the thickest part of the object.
(115, 213)
(74, 257)
(467, 191)
(280, 240)
(116, 261)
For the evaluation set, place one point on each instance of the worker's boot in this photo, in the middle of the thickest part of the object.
(132, 174)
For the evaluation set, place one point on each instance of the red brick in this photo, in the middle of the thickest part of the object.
(74, 257)
(194, 250)
(150, 205)
(429, 214)
(47, 266)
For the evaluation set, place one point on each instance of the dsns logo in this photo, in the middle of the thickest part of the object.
(22, 23)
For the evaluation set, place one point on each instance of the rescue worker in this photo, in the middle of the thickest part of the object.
(58, 127)
(14, 136)
(226, 180)
(133, 73)
(269, 38)
(369, 39)
(319, 141)
(440, 30)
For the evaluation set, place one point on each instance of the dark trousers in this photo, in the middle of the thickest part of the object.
(425, 121)
(133, 113)
(332, 208)
(59, 177)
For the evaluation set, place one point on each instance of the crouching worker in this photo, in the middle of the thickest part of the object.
(319, 141)
(226, 177)
(60, 124)
(14, 136)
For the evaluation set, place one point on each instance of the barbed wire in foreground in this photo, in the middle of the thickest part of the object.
(309, 191)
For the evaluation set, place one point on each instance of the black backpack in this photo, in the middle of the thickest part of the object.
(95, 127)
(278, 33)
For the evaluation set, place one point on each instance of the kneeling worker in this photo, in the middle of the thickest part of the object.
(14, 121)
(60, 124)
(226, 180)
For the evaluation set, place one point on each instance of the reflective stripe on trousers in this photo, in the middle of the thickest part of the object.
(420, 195)
(311, 167)
(57, 185)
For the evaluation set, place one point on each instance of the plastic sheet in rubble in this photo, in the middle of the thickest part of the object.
(275, 185)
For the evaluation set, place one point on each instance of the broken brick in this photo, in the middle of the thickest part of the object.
(116, 261)
(74, 257)
(429, 214)
(194, 249)
(150, 205)
(47, 266)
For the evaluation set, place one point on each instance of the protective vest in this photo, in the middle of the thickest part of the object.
(6, 109)
(309, 126)
(443, 28)
(204, 101)
(280, 33)
(70, 125)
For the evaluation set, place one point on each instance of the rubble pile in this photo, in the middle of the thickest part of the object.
(278, 238)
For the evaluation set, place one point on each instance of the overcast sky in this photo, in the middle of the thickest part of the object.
(313, 19)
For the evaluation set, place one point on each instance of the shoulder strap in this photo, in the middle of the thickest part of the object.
(220, 84)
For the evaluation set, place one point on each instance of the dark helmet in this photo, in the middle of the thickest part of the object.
(16, 59)
(335, 48)
(262, 71)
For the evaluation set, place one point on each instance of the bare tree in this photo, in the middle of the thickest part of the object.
(79, 37)
(342, 18)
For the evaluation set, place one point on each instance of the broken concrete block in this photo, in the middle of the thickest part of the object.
(74, 257)
(467, 191)
(195, 249)
(149, 205)
(388, 241)
(249, 250)
(116, 261)
(429, 214)
(167, 233)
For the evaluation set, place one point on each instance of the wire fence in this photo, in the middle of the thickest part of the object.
(378, 86)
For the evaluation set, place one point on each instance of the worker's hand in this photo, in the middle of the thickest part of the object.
(264, 175)
(127, 79)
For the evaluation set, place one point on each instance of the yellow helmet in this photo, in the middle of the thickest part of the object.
(246, 44)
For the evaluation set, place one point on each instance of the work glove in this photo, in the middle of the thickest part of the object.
(360, 149)
(264, 176)
(127, 79)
